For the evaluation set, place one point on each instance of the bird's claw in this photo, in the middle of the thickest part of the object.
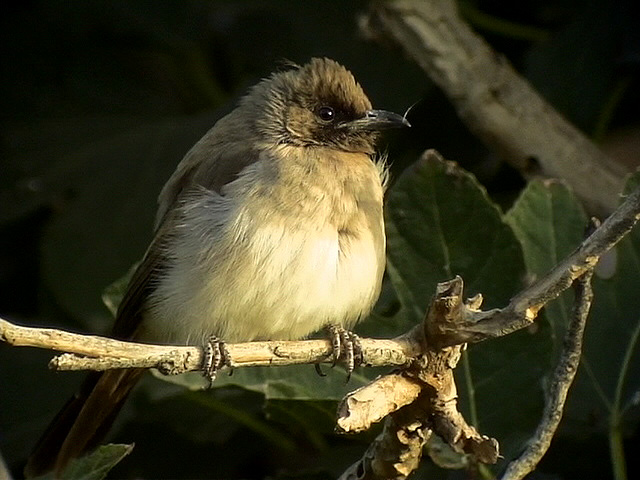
(347, 347)
(216, 356)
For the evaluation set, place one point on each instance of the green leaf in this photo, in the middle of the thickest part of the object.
(549, 223)
(297, 382)
(606, 388)
(441, 223)
(94, 466)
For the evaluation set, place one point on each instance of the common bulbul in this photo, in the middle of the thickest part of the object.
(270, 228)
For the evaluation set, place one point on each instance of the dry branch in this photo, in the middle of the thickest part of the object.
(524, 307)
(449, 323)
(562, 380)
(90, 352)
(396, 452)
(494, 101)
(371, 403)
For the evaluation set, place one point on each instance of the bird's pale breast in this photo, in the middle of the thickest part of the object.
(305, 250)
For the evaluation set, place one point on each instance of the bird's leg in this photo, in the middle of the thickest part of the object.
(216, 356)
(346, 345)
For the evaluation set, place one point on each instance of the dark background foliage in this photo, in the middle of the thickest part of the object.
(100, 100)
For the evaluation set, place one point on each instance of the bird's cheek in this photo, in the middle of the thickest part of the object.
(301, 123)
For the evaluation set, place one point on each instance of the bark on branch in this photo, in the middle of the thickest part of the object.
(560, 383)
(90, 352)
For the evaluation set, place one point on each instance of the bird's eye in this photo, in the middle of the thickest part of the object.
(326, 113)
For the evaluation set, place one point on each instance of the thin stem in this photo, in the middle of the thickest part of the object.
(563, 376)
(471, 391)
(595, 383)
(616, 442)
(624, 368)
(616, 449)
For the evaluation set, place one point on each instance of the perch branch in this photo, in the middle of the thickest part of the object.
(494, 101)
(90, 352)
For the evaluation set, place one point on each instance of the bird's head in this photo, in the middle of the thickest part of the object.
(318, 104)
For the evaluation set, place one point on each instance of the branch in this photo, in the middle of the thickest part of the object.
(524, 307)
(562, 380)
(394, 454)
(371, 403)
(90, 352)
(448, 324)
(494, 101)
(426, 404)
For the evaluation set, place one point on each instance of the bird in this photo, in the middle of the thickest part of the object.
(270, 228)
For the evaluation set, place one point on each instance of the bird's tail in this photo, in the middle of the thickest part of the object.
(83, 422)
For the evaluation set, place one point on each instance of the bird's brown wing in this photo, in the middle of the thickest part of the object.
(195, 173)
(204, 168)
(85, 419)
(140, 285)
(211, 164)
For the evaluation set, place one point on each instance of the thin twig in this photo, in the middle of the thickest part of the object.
(524, 307)
(561, 382)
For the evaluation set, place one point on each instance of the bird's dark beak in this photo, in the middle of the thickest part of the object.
(379, 120)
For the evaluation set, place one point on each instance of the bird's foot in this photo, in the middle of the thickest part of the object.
(346, 347)
(216, 356)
